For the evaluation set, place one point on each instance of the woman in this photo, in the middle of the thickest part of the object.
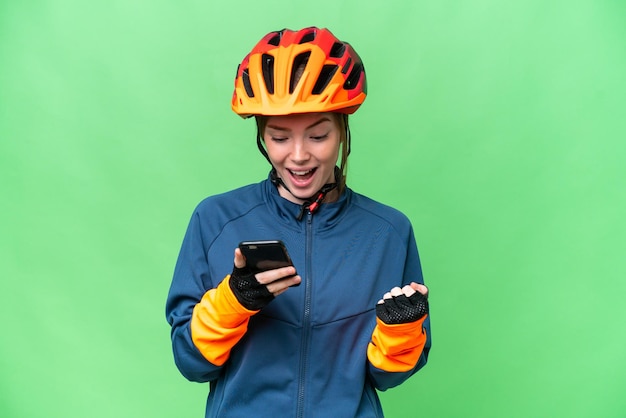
(359, 320)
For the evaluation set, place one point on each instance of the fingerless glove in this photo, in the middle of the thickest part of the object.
(401, 309)
(249, 292)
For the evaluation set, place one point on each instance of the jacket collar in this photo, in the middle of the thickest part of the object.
(325, 217)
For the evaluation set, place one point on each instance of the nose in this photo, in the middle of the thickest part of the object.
(299, 152)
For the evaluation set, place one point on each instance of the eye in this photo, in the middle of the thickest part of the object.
(319, 137)
(278, 138)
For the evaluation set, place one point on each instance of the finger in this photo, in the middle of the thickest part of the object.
(280, 286)
(422, 289)
(270, 276)
(380, 302)
(280, 291)
(387, 295)
(408, 290)
(240, 260)
(396, 291)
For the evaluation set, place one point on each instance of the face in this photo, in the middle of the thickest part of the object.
(303, 149)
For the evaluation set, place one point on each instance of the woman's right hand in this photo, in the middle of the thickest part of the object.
(256, 291)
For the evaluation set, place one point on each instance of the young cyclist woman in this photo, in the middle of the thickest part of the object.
(350, 317)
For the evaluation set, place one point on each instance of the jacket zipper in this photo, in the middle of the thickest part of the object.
(306, 321)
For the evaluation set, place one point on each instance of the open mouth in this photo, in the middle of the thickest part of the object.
(302, 175)
(301, 178)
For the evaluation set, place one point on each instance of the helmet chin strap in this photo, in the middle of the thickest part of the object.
(312, 203)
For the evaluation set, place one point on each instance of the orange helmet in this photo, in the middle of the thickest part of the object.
(303, 71)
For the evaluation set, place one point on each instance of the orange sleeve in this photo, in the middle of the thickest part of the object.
(218, 322)
(398, 347)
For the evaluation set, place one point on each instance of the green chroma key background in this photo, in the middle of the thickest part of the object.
(497, 127)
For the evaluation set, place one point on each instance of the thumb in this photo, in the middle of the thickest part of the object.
(240, 260)
(420, 288)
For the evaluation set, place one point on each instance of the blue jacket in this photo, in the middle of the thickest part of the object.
(304, 354)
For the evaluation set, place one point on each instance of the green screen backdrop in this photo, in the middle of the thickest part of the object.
(497, 126)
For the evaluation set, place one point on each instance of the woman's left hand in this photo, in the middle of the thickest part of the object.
(403, 305)
(407, 290)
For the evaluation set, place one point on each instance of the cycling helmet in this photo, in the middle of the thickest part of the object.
(303, 71)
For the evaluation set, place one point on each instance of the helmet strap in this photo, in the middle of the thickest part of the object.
(259, 144)
(312, 203)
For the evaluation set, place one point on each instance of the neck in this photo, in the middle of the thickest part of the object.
(331, 196)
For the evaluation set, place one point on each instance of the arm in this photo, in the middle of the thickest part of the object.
(400, 346)
(206, 325)
(400, 340)
(189, 285)
(221, 318)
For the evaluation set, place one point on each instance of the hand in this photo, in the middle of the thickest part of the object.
(256, 291)
(401, 306)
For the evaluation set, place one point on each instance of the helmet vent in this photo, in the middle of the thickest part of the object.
(299, 64)
(327, 73)
(275, 40)
(307, 38)
(347, 66)
(245, 77)
(267, 64)
(337, 50)
(354, 76)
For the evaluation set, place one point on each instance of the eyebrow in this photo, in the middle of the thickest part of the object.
(280, 128)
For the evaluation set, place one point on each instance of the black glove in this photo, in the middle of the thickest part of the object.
(249, 292)
(401, 309)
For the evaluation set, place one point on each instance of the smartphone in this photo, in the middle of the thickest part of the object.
(265, 255)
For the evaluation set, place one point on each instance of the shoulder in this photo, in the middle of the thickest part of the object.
(222, 208)
(249, 195)
(384, 213)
